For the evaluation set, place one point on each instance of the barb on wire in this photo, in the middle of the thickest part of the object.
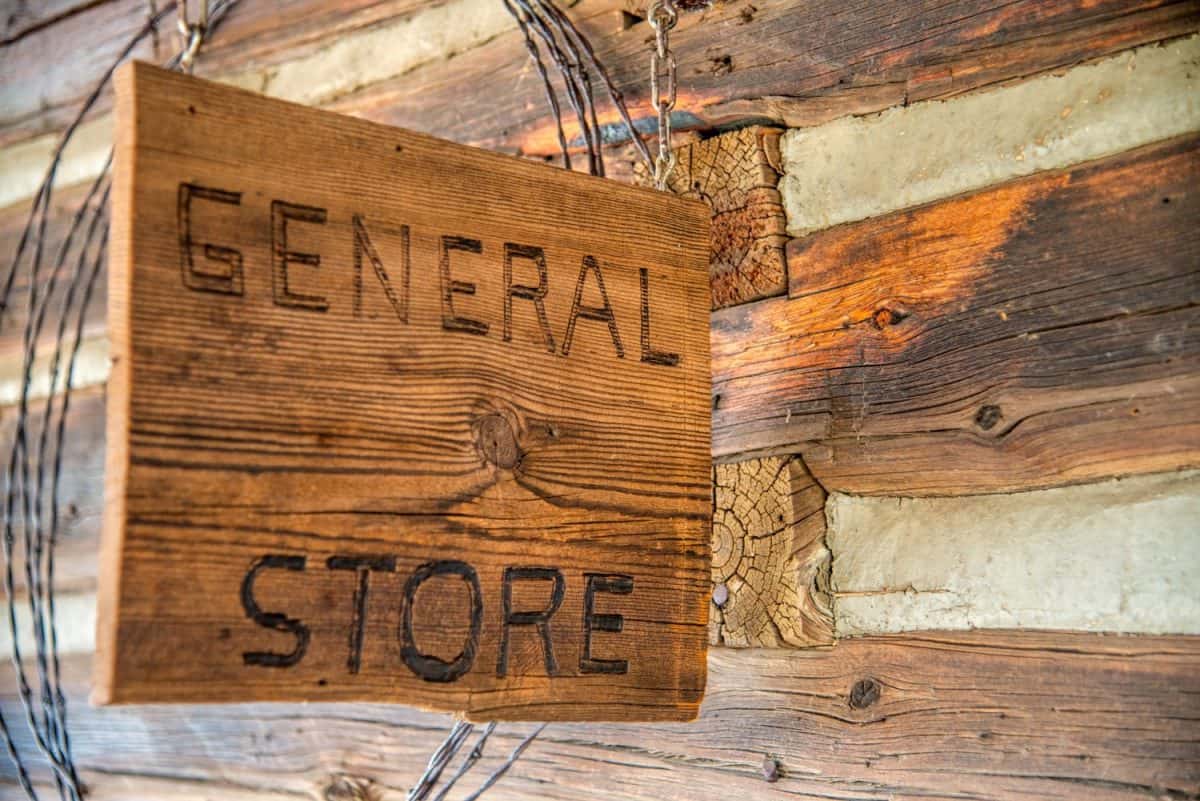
(62, 292)
(451, 746)
(550, 35)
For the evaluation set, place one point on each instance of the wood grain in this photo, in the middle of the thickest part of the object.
(788, 603)
(19, 17)
(984, 715)
(492, 383)
(1038, 333)
(768, 60)
(80, 489)
(12, 223)
(778, 61)
(737, 175)
(43, 95)
(770, 562)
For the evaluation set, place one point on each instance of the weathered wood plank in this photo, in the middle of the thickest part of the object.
(774, 60)
(81, 487)
(854, 168)
(1038, 333)
(281, 416)
(772, 63)
(770, 562)
(19, 17)
(12, 223)
(996, 715)
(42, 95)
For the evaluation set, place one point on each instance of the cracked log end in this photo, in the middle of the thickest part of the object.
(769, 555)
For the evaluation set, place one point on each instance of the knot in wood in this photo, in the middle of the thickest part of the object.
(885, 317)
(497, 442)
(864, 693)
(987, 417)
(349, 788)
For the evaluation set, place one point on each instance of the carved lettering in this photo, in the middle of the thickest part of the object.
(362, 245)
(450, 320)
(537, 294)
(602, 313)
(539, 618)
(228, 282)
(429, 667)
(649, 355)
(362, 565)
(592, 621)
(396, 284)
(273, 620)
(281, 257)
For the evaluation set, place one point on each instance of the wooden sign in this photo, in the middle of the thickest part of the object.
(394, 419)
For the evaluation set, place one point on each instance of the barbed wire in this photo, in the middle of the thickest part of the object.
(62, 291)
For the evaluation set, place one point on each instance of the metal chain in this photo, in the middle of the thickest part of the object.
(662, 18)
(191, 33)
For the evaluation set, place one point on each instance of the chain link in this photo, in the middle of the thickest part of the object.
(662, 18)
(192, 33)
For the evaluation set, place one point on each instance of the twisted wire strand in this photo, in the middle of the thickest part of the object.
(26, 483)
(545, 30)
(574, 91)
(591, 131)
(551, 95)
(615, 96)
(473, 756)
(576, 61)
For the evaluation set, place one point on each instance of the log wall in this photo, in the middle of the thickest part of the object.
(955, 279)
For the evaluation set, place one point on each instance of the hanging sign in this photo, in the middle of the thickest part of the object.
(394, 419)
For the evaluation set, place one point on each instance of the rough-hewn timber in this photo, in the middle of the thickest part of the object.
(995, 715)
(1038, 333)
(42, 94)
(739, 61)
(854, 168)
(737, 175)
(763, 61)
(770, 564)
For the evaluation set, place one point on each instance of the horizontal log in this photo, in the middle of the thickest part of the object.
(834, 172)
(1038, 333)
(80, 492)
(253, 38)
(770, 60)
(771, 63)
(16, 314)
(18, 18)
(318, 51)
(859, 167)
(898, 564)
(997, 715)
